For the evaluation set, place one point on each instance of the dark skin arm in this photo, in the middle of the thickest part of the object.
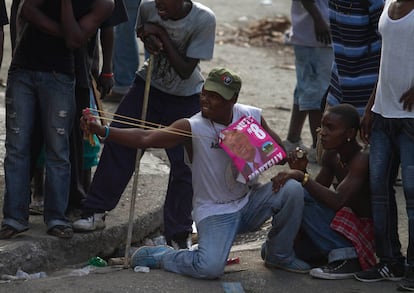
(157, 41)
(139, 138)
(105, 83)
(366, 120)
(322, 30)
(407, 99)
(32, 13)
(77, 33)
(350, 187)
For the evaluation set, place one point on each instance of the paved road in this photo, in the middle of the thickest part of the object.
(268, 82)
(250, 274)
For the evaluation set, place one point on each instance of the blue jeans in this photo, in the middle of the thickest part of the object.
(217, 233)
(316, 224)
(118, 162)
(392, 143)
(32, 96)
(125, 55)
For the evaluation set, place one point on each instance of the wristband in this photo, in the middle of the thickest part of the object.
(305, 179)
(107, 74)
(106, 133)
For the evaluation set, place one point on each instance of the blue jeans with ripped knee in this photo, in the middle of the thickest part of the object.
(45, 99)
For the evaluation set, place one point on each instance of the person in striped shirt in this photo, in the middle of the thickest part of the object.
(357, 48)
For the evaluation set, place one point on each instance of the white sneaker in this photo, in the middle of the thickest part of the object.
(91, 223)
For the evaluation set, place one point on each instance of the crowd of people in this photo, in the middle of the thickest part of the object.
(355, 81)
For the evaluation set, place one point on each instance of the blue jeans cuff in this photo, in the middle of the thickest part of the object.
(342, 253)
(15, 224)
(54, 223)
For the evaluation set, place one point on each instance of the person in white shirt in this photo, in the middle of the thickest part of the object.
(222, 207)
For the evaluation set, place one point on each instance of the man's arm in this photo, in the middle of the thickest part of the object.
(76, 33)
(366, 120)
(322, 30)
(156, 39)
(32, 13)
(139, 138)
(407, 99)
(106, 79)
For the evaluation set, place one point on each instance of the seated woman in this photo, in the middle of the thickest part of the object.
(337, 214)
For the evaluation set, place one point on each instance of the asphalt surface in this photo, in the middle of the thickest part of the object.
(268, 82)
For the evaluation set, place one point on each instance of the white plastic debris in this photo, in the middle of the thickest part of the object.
(141, 269)
(80, 272)
(22, 275)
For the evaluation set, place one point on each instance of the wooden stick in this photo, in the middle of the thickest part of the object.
(137, 163)
(99, 108)
(98, 102)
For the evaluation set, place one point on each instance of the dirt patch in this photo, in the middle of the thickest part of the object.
(266, 32)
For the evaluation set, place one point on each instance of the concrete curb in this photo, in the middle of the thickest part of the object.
(35, 250)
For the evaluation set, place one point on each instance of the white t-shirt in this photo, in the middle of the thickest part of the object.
(194, 37)
(396, 74)
(216, 190)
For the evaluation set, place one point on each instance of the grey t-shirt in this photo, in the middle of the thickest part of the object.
(302, 32)
(192, 35)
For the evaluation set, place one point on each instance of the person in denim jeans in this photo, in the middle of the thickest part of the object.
(178, 34)
(126, 54)
(222, 206)
(344, 166)
(388, 124)
(40, 90)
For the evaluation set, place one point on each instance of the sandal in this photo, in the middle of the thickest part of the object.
(61, 231)
(7, 232)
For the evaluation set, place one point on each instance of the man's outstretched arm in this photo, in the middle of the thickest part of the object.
(177, 133)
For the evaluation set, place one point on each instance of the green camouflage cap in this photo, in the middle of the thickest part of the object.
(224, 82)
